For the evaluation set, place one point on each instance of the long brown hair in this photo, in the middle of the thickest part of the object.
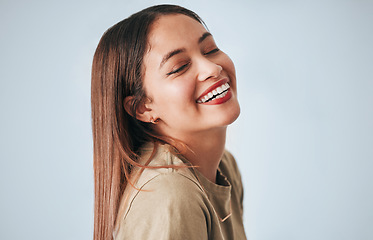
(117, 72)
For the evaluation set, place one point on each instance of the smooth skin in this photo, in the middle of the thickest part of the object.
(181, 63)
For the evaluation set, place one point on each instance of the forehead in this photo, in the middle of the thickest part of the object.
(174, 31)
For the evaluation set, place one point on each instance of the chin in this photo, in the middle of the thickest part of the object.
(232, 115)
(235, 114)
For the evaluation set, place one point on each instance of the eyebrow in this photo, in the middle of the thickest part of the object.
(204, 36)
(180, 50)
(170, 55)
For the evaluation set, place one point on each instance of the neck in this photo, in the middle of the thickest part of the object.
(205, 151)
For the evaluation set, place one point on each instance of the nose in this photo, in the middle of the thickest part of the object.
(208, 69)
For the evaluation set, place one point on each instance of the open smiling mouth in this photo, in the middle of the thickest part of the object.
(218, 92)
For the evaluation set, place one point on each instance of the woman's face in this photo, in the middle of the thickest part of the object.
(191, 84)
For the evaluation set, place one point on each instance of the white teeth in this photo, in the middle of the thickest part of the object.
(222, 95)
(216, 92)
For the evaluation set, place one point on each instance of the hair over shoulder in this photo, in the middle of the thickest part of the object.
(117, 72)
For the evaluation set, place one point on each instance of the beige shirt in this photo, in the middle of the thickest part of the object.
(181, 204)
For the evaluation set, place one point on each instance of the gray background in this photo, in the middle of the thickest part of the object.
(303, 141)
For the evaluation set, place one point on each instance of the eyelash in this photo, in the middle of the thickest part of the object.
(178, 70)
(213, 51)
(187, 64)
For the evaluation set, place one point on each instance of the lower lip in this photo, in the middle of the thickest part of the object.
(220, 100)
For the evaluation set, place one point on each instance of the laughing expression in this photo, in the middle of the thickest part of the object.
(190, 82)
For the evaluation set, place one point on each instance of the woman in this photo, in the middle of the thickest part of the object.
(162, 97)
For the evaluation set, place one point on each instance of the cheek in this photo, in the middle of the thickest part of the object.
(181, 90)
(229, 68)
(173, 94)
(228, 65)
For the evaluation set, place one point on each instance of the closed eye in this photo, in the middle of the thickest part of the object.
(212, 51)
(178, 70)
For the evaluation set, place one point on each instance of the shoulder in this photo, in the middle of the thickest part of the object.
(172, 186)
(168, 206)
(169, 203)
(164, 172)
(160, 190)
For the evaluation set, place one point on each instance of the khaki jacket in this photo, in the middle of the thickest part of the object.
(181, 204)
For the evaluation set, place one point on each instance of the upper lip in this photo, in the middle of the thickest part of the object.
(212, 87)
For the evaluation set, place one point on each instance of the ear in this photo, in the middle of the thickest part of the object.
(143, 111)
